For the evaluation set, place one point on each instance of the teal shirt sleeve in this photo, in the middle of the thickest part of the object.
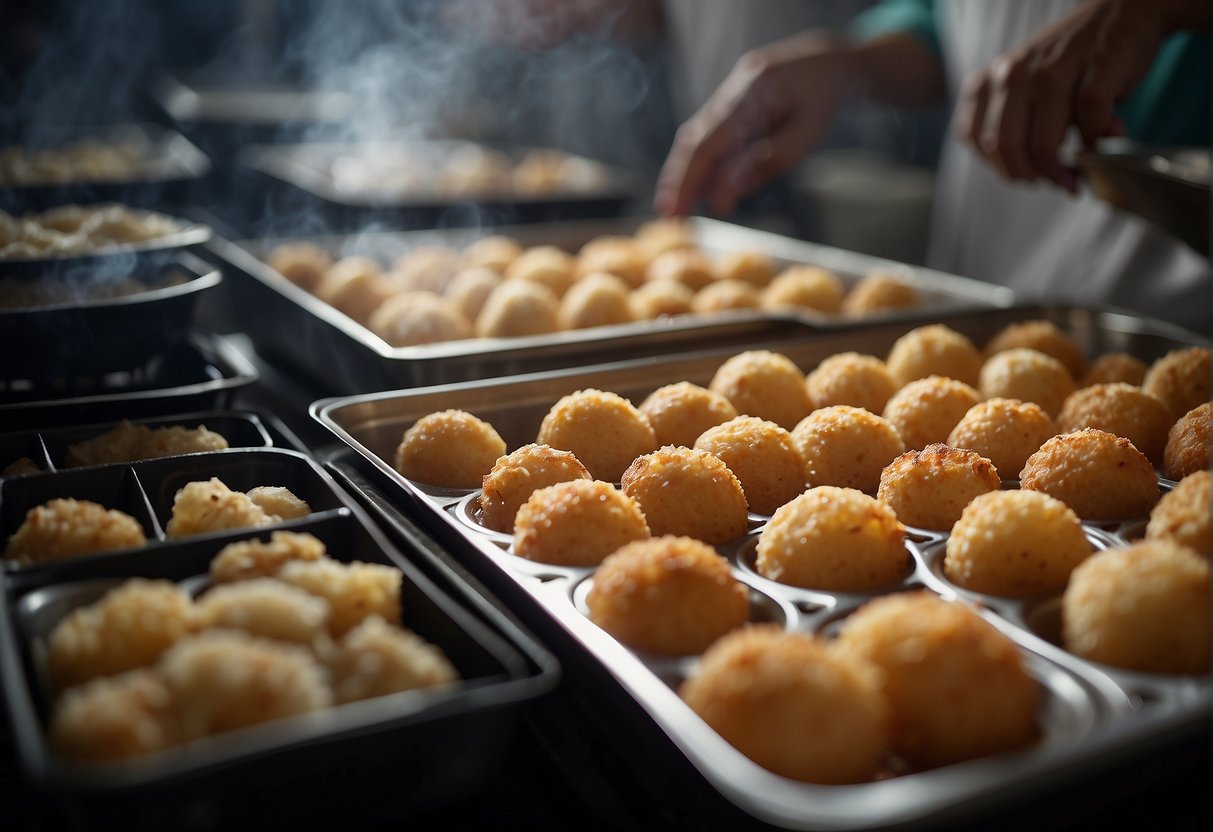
(917, 17)
(1171, 104)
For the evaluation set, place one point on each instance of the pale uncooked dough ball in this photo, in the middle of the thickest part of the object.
(752, 267)
(660, 299)
(689, 267)
(547, 266)
(470, 288)
(411, 318)
(356, 286)
(726, 295)
(519, 308)
(620, 256)
(598, 299)
(494, 252)
(426, 268)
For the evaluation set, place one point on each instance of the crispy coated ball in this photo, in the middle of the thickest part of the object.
(494, 252)
(129, 627)
(470, 288)
(516, 477)
(684, 491)
(1112, 367)
(1099, 475)
(1143, 608)
(665, 234)
(804, 287)
(411, 318)
(751, 267)
(246, 559)
(956, 687)
(1027, 375)
(67, 528)
(222, 680)
(426, 268)
(303, 264)
(620, 256)
(926, 410)
(763, 457)
(210, 506)
(669, 595)
(1042, 336)
(519, 308)
(680, 412)
(853, 379)
(764, 384)
(1180, 380)
(128, 442)
(1004, 431)
(577, 523)
(846, 446)
(353, 590)
(598, 299)
(934, 350)
(879, 292)
(267, 608)
(376, 659)
(279, 501)
(1182, 515)
(929, 489)
(546, 266)
(1015, 543)
(603, 430)
(836, 539)
(687, 266)
(1121, 409)
(1189, 443)
(724, 295)
(660, 299)
(792, 705)
(116, 718)
(451, 448)
(356, 286)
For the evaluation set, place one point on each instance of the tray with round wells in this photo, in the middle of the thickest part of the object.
(1089, 716)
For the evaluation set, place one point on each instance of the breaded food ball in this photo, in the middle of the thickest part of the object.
(752, 267)
(1004, 431)
(668, 595)
(247, 559)
(426, 268)
(547, 266)
(934, 350)
(957, 688)
(1189, 443)
(792, 705)
(1042, 336)
(1182, 515)
(222, 680)
(116, 718)
(687, 266)
(353, 590)
(660, 299)
(303, 264)
(516, 477)
(603, 430)
(1143, 608)
(577, 523)
(279, 501)
(519, 308)
(1112, 367)
(804, 287)
(680, 412)
(1180, 380)
(355, 286)
(1027, 375)
(658, 236)
(451, 448)
(684, 491)
(926, 410)
(762, 456)
(836, 539)
(846, 446)
(128, 442)
(376, 659)
(879, 292)
(494, 252)
(851, 378)
(411, 318)
(1121, 409)
(725, 295)
(764, 384)
(1015, 543)
(620, 256)
(67, 528)
(930, 488)
(598, 299)
(470, 288)
(1098, 474)
(268, 608)
(210, 506)
(129, 627)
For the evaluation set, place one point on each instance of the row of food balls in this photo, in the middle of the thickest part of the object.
(692, 462)
(496, 288)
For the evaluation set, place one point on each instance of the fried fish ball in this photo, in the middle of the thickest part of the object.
(926, 410)
(669, 595)
(547, 266)
(598, 299)
(577, 523)
(846, 446)
(957, 688)
(1182, 515)
(1004, 431)
(247, 559)
(128, 442)
(516, 477)
(684, 491)
(67, 528)
(851, 378)
(519, 308)
(804, 287)
(930, 488)
(1099, 475)
(934, 350)
(603, 430)
(1121, 409)
(1112, 367)
(426, 268)
(267, 608)
(375, 659)
(1145, 608)
(1180, 380)
(353, 590)
(660, 299)
(764, 384)
(763, 457)
(415, 317)
(1042, 336)
(879, 292)
(470, 288)
(451, 448)
(303, 264)
(129, 627)
(1027, 375)
(752, 267)
(210, 506)
(687, 266)
(115, 718)
(495, 252)
(658, 236)
(1189, 443)
(792, 705)
(355, 286)
(279, 501)
(619, 256)
(680, 412)
(724, 295)
(836, 539)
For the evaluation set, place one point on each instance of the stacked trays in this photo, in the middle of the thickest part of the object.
(1091, 716)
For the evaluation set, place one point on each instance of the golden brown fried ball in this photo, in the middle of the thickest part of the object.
(516, 477)
(303, 264)
(469, 290)
(930, 488)
(1004, 431)
(247, 559)
(426, 268)
(1015, 543)
(519, 308)
(577, 523)
(355, 286)
(598, 299)
(411, 318)
(603, 430)
(1180, 380)
(210, 506)
(669, 595)
(853, 379)
(764, 384)
(451, 448)
(620, 256)
(115, 718)
(725, 295)
(934, 350)
(354, 591)
(1112, 367)
(836, 539)
(1042, 336)
(494, 252)
(128, 442)
(686, 266)
(804, 287)
(846, 446)
(376, 659)
(1189, 443)
(1121, 409)
(1027, 375)
(1182, 515)
(681, 412)
(792, 705)
(684, 491)
(660, 299)
(1099, 475)
(957, 688)
(67, 528)
(267, 608)
(926, 410)
(879, 292)
(752, 267)
(279, 501)
(1143, 608)
(763, 457)
(547, 266)
(665, 234)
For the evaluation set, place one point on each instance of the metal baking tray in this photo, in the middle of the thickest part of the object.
(1091, 716)
(366, 763)
(199, 99)
(296, 328)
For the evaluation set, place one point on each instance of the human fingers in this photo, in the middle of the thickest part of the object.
(1095, 99)
(1051, 89)
(762, 160)
(1003, 135)
(971, 108)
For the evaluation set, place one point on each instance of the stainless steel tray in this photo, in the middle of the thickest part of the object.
(1091, 716)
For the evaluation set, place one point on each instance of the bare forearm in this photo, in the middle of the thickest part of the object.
(900, 70)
